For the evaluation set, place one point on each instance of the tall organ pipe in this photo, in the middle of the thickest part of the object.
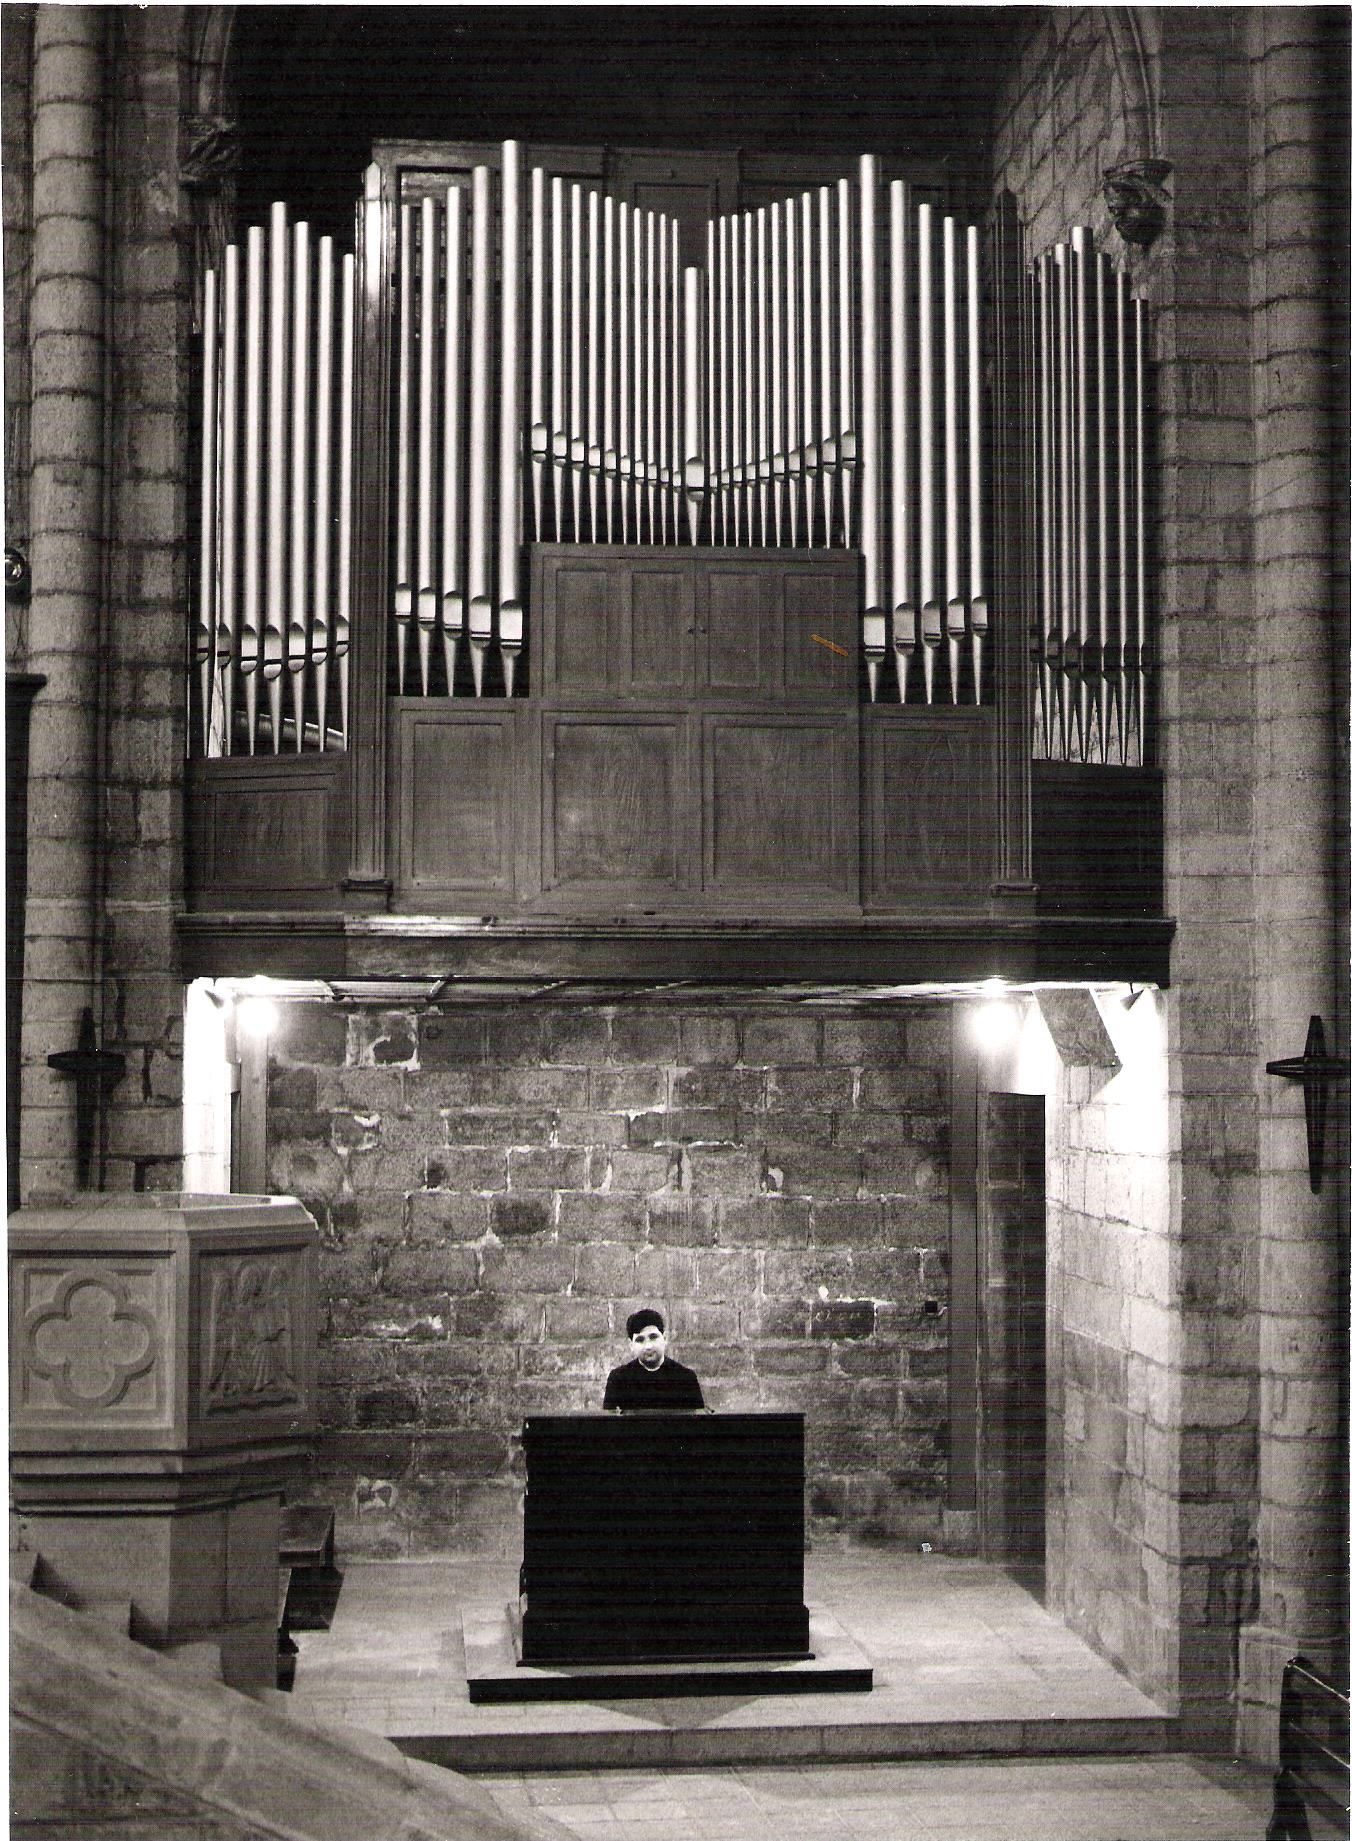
(926, 457)
(539, 434)
(249, 630)
(342, 624)
(956, 605)
(425, 603)
(205, 638)
(903, 593)
(221, 741)
(875, 626)
(511, 611)
(480, 442)
(297, 628)
(323, 545)
(274, 613)
(403, 570)
(452, 435)
(976, 564)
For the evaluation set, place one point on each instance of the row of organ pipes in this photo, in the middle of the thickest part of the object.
(820, 381)
(274, 594)
(1086, 409)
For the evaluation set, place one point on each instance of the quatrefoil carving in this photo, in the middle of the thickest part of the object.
(90, 1341)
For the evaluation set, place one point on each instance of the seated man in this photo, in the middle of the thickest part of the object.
(652, 1381)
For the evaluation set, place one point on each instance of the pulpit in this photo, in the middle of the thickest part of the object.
(663, 1537)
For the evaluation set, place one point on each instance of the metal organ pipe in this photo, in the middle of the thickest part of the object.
(539, 435)
(480, 445)
(875, 627)
(323, 545)
(577, 446)
(593, 359)
(274, 616)
(342, 623)
(221, 738)
(813, 345)
(403, 582)
(253, 483)
(511, 607)
(845, 313)
(205, 636)
(899, 275)
(452, 436)
(425, 601)
(976, 568)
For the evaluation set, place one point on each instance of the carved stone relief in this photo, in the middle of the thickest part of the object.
(90, 1342)
(252, 1319)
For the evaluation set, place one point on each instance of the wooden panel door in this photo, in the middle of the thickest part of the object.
(1012, 1333)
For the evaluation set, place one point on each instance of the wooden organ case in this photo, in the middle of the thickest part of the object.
(643, 540)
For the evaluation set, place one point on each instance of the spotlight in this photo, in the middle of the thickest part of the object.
(257, 1016)
(995, 1024)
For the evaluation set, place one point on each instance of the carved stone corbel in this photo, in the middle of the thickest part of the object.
(1136, 199)
(208, 160)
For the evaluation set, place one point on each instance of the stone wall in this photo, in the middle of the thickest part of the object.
(16, 177)
(146, 649)
(498, 1187)
(1158, 1569)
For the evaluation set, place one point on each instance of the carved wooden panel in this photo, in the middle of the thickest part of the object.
(266, 832)
(735, 631)
(614, 804)
(615, 623)
(89, 1342)
(930, 825)
(657, 625)
(456, 797)
(580, 650)
(780, 807)
(818, 634)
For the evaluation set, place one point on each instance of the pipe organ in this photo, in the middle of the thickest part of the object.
(273, 619)
(1088, 467)
(558, 374)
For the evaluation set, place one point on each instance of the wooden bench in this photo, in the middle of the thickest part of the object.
(305, 1553)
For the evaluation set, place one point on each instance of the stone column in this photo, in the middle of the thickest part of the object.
(1298, 239)
(67, 446)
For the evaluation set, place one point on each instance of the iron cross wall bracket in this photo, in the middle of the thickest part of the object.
(1315, 1070)
(95, 1071)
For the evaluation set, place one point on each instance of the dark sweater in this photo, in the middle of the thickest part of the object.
(636, 1388)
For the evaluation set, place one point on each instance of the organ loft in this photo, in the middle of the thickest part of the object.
(684, 662)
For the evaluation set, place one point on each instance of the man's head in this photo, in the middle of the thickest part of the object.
(647, 1333)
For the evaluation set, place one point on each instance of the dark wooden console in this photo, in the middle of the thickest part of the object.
(663, 1537)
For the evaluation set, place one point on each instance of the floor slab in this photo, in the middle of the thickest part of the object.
(965, 1660)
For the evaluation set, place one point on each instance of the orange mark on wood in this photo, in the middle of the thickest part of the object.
(830, 645)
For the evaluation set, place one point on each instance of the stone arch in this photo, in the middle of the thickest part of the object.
(1129, 34)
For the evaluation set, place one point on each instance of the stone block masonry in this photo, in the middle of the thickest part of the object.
(499, 1187)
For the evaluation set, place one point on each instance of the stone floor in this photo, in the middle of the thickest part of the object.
(965, 1660)
(1164, 1798)
(989, 1721)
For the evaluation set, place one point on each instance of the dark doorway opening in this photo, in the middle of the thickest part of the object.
(1012, 1333)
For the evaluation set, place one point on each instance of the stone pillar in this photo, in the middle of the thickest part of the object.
(67, 520)
(1299, 238)
(162, 1399)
